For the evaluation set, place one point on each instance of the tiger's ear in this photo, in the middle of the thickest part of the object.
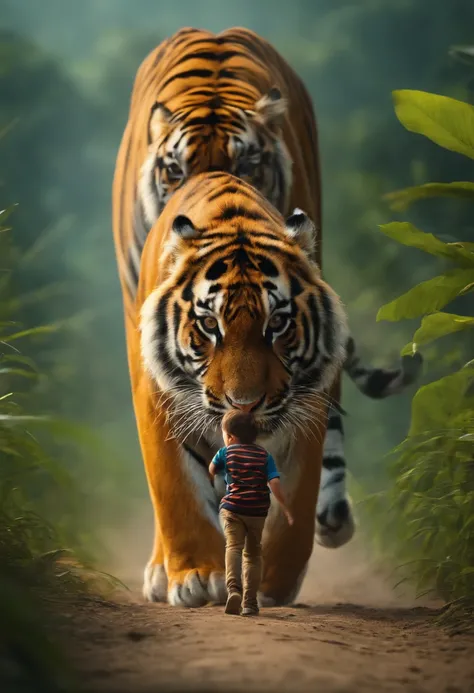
(270, 109)
(184, 228)
(301, 229)
(159, 120)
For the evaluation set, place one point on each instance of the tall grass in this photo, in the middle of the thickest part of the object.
(41, 564)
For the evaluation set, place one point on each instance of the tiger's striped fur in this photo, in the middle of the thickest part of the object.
(232, 312)
(203, 102)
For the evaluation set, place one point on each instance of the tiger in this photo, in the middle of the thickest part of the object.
(205, 102)
(230, 312)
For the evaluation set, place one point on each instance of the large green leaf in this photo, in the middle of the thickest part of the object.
(428, 297)
(406, 233)
(447, 122)
(435, 326)
(435, 405)
(402, 199)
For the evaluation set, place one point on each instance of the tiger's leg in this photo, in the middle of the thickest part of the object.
(191, 544)
(155, 586)
(287, 550)
(155, 582)
(335, 524)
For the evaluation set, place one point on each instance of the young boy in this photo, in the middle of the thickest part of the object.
(249, 471)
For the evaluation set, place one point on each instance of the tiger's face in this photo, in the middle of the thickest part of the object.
(243, 321)
(245, 142)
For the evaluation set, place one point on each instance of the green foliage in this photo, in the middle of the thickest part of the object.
(37, 572)
(429, 296)
(402, 199)
(24, 536)
(427, 517)
(443, 404)
(431, 502)
(409, 235)
(435, 326)
(447, 122)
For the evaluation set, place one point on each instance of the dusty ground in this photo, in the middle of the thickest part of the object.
(344, 647)
(351, 633)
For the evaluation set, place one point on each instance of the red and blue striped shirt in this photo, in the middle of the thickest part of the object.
(247, 470)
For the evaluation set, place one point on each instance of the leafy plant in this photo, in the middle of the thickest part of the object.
(36, 568)
(431, 503)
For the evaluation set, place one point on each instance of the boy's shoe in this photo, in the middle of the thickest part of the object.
(233, 604)
(248, 611)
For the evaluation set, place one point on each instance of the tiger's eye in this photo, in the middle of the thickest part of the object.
(278, 321)
(209, 322)
(174, 170)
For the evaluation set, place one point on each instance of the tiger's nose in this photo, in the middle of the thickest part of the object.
(245, 404)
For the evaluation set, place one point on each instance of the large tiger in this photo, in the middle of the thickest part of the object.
(231, 311)
(204, 102)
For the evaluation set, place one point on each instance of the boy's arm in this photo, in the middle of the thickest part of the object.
(217, 464)
(275, 487)
(277, 491)
(212, 471)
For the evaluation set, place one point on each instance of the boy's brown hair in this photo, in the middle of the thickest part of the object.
(242, 425)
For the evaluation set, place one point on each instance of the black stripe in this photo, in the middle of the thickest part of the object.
(199, 55)
(306, 331)
(314, 319)
(187, 74)
(238, 211)
(162, 315)
(331, 463)
(226, 55)
(177, 312)
(187, 293)
(200, 460)
(225, 73)
(295, 286)
(335, 423)
(267, 267)
(350, 347)
(227, 190)
(216, 270)
(212, 118)
(329, 341)
(378, 381)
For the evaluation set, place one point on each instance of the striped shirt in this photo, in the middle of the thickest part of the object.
(247, 470)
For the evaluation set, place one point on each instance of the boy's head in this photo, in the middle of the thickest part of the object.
(239, 427)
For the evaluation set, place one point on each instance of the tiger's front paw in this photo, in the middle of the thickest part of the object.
(155, 583)
(335, 524)
(196, 587)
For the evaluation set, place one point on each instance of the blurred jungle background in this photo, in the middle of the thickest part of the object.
(66, 73)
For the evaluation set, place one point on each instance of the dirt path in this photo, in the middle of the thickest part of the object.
(136, 647)
(355, 636)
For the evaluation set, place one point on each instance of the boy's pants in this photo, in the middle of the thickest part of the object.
(243, 532)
